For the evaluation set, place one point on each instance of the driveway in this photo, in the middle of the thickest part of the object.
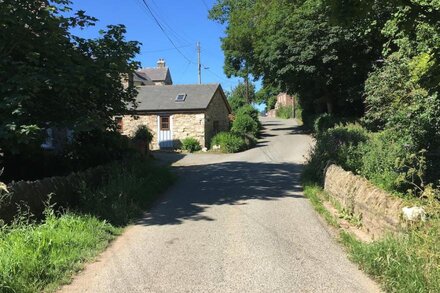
(232, 223)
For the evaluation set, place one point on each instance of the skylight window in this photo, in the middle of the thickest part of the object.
(180, 97)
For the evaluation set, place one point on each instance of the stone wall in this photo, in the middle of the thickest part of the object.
(189, 125)
(379, 211)
(217, 111)
(183, 125)
(130, 124)
(64, 192)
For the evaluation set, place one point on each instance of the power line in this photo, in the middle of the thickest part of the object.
(164, 50)
(206, 5)
(164, 32)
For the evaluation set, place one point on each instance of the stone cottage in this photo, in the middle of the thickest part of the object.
(174, 112)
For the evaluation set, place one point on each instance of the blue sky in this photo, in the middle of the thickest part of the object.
(185, 21)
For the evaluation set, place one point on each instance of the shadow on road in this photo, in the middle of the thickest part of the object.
(224, 183)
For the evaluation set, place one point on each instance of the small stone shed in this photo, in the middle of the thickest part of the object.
(174, 112)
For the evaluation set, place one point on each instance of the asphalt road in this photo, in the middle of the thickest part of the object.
(232, 223)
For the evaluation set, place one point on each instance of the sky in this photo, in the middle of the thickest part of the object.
(184, 21)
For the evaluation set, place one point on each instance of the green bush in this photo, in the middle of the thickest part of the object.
(143, 133)
(380, 160)
(338, 145)
(326, 121)
(190, 144)
(248, 110)
(244, 125)
(285, 112)
(229, 142)
(94, 148)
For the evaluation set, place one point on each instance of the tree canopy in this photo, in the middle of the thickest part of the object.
(50, 77)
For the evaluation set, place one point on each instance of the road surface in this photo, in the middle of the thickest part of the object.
(232, 223)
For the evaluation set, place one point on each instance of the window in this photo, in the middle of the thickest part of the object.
(180, 97)
(119, 124)
(216, 127)
(164, 122)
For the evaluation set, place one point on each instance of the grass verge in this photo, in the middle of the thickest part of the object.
(401, 263)
(37, 257)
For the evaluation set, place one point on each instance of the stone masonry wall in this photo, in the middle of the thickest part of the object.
(183, 125)
(217, 111)
(130, 124)
(189, 125)
(379, 211)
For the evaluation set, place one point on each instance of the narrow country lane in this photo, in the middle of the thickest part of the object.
(232, 223)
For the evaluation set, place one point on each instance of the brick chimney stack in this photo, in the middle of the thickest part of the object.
(161, 63)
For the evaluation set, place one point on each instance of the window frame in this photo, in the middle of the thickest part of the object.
(161, 123)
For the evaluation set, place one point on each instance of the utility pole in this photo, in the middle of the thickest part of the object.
(198, 63)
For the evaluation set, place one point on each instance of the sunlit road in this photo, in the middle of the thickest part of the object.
(232, 223)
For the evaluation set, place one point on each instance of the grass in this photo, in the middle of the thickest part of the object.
(401, 263)
(37, 257)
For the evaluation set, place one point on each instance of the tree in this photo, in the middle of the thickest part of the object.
(238, 97)
(51, 78)
(294, 45)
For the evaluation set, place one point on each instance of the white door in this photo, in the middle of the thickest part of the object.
(165, 126)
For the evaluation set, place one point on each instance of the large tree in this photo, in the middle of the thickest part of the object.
(295, 46)
(49, 77)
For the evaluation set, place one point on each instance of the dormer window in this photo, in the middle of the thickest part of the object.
(180, 97)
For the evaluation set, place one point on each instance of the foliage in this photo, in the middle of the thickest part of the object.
(380, 160)
(285, 112)
(35, 257)
(245, 125)
(51, 78)
(395, 100)
(326, 121)
(191, 144)
(229, 142)
(238, 97)
(93, 148)
(294, 46)
(128, 189)
(339, 145)
(407, 262)
(252, 112)
(267, 95)
(143, 133)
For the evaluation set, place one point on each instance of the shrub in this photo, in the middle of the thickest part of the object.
(339, 145)
(244, 125)
(326, 121)
(190, 144)
(380, 157)
(94, 148)
(229, 142)
(248, 110)
(143, 133)
(285, 112)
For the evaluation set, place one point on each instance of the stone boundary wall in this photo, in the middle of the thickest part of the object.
(379, 211)
(63, 192)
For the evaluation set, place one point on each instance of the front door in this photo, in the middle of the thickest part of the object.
(165, 126)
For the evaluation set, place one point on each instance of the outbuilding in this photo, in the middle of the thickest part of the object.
(174, 112)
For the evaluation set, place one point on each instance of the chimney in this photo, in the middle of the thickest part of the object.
(160, 63)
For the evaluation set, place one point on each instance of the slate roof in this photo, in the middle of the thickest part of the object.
(156, 74)
(163, 97)
(143, 78)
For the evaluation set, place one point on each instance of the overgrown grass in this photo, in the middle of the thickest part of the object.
(37, 257)
(401, 263)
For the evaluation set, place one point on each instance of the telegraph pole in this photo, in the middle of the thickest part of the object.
(198, 63)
